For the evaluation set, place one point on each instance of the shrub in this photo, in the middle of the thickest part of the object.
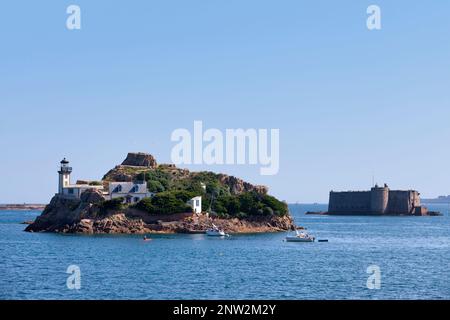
(268, 211)
(184, 195)
(279, 208)
(249, 203)
(155, 177)
(227, 204)
(145, 205)
(155, 186)
(167, 202)
(113, 204)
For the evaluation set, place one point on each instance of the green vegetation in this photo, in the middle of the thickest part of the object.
(113, 204)
(157, 180)
(167, 202)
(248, 204)
(174, 187)
(225, 205)
(155, 186)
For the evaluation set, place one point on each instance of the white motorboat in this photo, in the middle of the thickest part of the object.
(215, 232)
(300, 237)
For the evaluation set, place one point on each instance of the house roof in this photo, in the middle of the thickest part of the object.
(128, 187)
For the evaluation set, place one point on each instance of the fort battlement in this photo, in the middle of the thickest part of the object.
(376, 201)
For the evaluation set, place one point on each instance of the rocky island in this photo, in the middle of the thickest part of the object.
(141, 196)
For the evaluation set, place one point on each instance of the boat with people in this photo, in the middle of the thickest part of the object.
(302, 236)
(216, 232)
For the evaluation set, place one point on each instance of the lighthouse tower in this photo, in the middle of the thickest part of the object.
(64, 175)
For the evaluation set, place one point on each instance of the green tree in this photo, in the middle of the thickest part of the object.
(155, 186)
(146, 205)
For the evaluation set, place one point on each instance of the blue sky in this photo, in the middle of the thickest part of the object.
(350, 103)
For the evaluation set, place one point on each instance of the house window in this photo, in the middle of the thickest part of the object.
(118, 189)
(136, 199)
(135, 189)
(197, 203)
(70, 191)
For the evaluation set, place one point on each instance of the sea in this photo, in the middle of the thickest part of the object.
(365, 258)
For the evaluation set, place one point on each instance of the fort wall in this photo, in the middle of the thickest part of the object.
(377, 201)
(351, 202)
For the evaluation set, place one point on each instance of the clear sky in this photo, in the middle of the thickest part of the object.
(350, 103)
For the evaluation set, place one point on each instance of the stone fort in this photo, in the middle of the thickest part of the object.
(377, 201)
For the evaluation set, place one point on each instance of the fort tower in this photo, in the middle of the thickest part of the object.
(379, 198)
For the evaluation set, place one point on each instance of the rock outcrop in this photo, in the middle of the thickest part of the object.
(113, 224)
(139, 159)
(234, 225)
(92, 196)
(85, 215)
(62, 211)
(119, 174)
(59, 212)
(238, 186)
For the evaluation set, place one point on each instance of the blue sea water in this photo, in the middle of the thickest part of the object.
(413, 254)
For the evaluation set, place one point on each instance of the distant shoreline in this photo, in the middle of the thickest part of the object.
(435, 201)
(22, 207)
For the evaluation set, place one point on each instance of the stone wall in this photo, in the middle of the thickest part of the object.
(350, 202)
(375, 202)
(403, 202)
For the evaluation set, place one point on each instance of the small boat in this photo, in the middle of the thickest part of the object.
(216, 232)
(300, 237)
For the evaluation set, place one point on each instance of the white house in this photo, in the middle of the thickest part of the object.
(196, 204)
(71, 190)
(130, 191)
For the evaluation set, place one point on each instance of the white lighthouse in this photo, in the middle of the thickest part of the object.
(64, 175)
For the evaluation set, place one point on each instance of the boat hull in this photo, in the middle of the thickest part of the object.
(296, 239)
(215, 233)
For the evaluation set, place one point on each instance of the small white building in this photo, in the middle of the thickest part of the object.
(196, 204)
(71, 190)
(75, 190)
(131, 192)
